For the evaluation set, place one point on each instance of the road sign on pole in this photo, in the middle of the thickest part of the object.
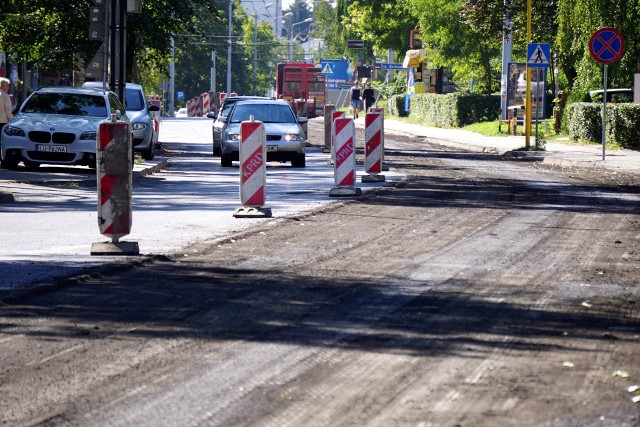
(391, 66)
(606, 45)
(538, 55)
(355, 44)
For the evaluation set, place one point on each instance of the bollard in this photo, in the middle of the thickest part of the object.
(253, 171)
(206, 103)
(328, 110)
(335, 115)
(373, 148)
(344, 132)
(383, 166)
(114, 158)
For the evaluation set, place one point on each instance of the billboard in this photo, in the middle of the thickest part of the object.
(338, 72)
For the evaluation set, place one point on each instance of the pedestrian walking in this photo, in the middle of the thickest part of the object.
(356, 95)
(369, 96)
(5, 103)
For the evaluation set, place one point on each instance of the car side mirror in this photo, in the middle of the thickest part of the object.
(153, 108)
(303, 119)
(212, 115)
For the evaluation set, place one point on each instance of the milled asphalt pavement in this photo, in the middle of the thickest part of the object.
(560, 154)
(556, 153)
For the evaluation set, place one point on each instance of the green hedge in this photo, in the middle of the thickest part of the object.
(395, 105)
(454, 109)
(584, 123)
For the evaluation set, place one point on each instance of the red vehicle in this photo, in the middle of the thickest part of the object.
(303, 85)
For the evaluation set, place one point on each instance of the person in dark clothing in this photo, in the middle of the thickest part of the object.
(369, 97)
(355, 99)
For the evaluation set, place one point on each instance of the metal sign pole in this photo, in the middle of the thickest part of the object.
(604, 113)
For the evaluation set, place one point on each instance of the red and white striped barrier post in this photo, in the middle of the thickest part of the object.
(206, 103)
(380, 110)
(253, 171)
(328, 110)
(114, 158)
(344, 131)
(199, 102)
(191, 106)
(335, 115)
(373, 148)
(155, 100)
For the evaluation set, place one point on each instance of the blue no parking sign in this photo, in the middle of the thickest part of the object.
(606, 45)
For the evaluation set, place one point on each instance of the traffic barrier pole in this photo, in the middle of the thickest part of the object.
(155, 100)
(380, 110)
(206, 103)
(253, 170)
(344, 132)
(114, 160)
(328, 110)
(335, 115)
(373, 148)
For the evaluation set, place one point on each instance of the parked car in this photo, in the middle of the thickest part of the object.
(182, 112)
(285, 136)
(613, 95)
(536, 85)
(139, 112)
(58, 125)
(218, 124)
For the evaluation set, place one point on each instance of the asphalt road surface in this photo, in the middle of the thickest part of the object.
(478, 292)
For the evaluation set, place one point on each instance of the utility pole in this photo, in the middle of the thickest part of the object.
(213, 71)
(229, 49)
(255, 51)
(118, 39)
(172, 80)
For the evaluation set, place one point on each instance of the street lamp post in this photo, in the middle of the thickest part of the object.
(229, 49)
(292, 36)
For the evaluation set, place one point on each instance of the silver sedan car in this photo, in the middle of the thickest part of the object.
(285, 137)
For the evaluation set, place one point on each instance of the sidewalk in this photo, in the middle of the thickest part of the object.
(560, 154)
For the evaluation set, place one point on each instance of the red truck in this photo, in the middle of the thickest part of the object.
(303, 85)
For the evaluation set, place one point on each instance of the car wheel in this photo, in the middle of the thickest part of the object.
(31, 165)
(225, 161)
(9, 164)
(148, 153)
(299, 161)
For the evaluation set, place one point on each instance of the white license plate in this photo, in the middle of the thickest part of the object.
(272, 148)
(52, 148)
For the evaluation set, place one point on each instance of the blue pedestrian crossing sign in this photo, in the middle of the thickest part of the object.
(538, 55)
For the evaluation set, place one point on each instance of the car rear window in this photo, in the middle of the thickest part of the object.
(267, 113)
(64, 103)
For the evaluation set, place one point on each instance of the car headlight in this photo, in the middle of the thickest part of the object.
(91, 135)
(13, 131)
(139, 126)
(233, 137)
(293, 137)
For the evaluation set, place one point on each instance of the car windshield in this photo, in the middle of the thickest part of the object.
(66, 103)
(267, 113)
(226, 108)
(134, 101)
